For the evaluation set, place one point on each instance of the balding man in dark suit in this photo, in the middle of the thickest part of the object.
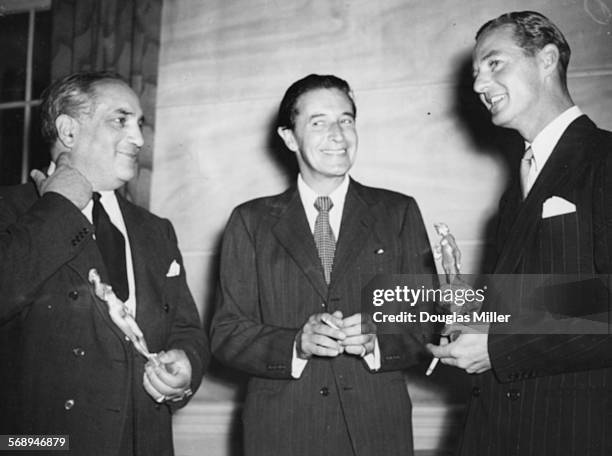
(68, 368)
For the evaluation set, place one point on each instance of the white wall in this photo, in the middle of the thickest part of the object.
(224, 66)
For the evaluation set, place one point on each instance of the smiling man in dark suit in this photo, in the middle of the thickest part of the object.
(544, 381)
(288, 311)
(67, 367)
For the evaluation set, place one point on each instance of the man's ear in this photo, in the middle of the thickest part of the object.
(67, 129)
(549, 58)
(288, 137)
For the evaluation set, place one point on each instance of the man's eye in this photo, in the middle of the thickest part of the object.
(493, 64)
(348, 121)
(317, 123)
(120, 121)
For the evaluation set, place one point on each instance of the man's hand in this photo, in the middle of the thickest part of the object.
(360, 333)
(468, 351)
(320, 339)
(170, 380)
(66, 180)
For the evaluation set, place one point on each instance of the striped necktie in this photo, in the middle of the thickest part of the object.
(324, 236)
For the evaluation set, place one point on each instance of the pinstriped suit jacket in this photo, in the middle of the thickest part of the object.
(58, 344)
(551, 394)
(271, 281)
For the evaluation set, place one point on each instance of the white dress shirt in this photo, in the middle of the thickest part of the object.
(544, 143)
(108, 199)
(308, 197)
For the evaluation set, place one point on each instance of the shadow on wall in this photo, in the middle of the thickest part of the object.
(487, 139)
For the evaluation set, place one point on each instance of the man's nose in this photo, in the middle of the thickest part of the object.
(136, 137)
(481, 82)
(335, 131)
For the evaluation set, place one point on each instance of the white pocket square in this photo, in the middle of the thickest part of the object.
(175, 269)
(556, 205)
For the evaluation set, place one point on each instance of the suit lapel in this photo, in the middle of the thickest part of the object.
(82, 263)
(148, 268)
(562, 164)
(355, 228)
(293, 233)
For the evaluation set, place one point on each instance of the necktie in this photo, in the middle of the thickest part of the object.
(528, 171)
(324, 236)
(112, 247)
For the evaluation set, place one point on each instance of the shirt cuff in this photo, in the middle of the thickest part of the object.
(373, 359)
(298, 364)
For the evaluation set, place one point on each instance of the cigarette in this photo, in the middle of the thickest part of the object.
(329, 323)
(432, 366)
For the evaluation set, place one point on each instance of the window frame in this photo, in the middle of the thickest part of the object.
(31, 7)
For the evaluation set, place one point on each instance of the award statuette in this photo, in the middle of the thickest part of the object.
(448, 253)
(121, 316)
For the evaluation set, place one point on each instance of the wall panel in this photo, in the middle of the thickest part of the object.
(224, 66)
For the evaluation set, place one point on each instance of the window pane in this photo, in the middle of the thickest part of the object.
(39, 149)
(41, 62)
(13, 56)
(11, 143)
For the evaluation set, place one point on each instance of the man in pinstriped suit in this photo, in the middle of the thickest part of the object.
(542, 393)
(291, 320)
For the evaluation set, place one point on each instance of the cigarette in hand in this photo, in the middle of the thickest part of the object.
(452, 336)
(329, 323)
(432, 366)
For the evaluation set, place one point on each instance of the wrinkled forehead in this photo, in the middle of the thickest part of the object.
(115, 95)
(324, 98)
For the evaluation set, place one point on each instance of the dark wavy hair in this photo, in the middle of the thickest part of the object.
(73, 95)
(288, 106)
(533, 31)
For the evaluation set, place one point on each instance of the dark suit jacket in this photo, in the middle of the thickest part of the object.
(551, 394)
(67, 369)
(272, 280)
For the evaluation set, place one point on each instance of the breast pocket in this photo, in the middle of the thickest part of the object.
(560, 242)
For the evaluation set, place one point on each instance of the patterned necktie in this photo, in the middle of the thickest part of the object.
(528, 171)
(112, 247)
(324, 236)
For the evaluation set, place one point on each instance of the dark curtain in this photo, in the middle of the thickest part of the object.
(116, 35)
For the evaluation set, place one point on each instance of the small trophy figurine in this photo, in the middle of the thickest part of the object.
(121, 316)
(448, 252)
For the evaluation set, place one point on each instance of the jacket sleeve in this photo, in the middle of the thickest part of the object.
(238, 336)
(399, 351)
(34, 244)
(187, 333)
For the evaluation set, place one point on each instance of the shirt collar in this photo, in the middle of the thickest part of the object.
(308, 195)
(544, 143)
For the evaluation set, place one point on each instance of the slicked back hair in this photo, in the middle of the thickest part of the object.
(533, 31)
(73, 95)
(288, 106)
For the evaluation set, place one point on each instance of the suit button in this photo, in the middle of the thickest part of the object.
(513, 394)
(78, 351)
(166, 308)
(324, 391)
(475, 391)
(323, 305)
(69, 404)
(74, 294)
